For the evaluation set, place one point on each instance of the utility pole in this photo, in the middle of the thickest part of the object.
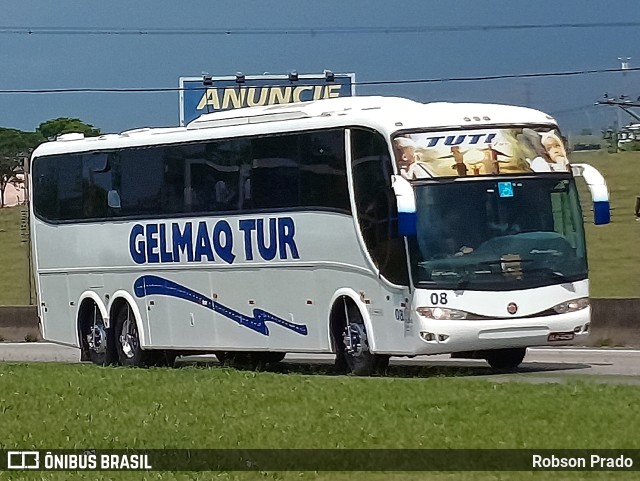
(624, 64)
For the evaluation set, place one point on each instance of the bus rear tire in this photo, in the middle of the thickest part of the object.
(506, 359)
(97, 339)
(128, 340)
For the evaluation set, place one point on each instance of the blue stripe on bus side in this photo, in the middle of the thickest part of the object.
(154, 285)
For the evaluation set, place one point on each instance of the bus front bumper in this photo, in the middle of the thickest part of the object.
(450, 336)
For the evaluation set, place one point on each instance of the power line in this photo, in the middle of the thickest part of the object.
(301, 83)
(352, 30)
(573, 110)
(501, 77)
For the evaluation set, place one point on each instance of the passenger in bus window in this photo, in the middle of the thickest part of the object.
(224, 195)
(506, 222)
(456, 234)
(447, 235)
(94, 202)
(244, 187)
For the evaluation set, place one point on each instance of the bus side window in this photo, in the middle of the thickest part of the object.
(323, 176)
(96, 182)
(141, 181)
(69, 180)
(275, 172)
(375, 204)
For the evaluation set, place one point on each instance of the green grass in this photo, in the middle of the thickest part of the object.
(614, 249)
(47, 406)
(14, 280)
(326, 476)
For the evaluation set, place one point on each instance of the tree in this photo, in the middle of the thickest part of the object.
(15, 148)
(64, 125)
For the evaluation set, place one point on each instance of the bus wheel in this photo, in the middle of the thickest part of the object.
(97, 339)
(222, 357)
(164, 358)
(128, 340)
(506, 359)
(357, 356)
(273, 357)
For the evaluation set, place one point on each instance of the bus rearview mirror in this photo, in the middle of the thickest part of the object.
(598, 189)
(406, 201)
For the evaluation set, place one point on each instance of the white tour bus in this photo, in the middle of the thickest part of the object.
(367, 227)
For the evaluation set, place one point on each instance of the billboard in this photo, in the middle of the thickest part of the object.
(205, 94)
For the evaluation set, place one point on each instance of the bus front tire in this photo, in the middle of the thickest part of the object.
(354, 354)
(506, 359)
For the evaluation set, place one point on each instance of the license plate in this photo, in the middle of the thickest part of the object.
(561, 336)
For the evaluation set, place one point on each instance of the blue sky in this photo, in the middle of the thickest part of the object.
(40, 61)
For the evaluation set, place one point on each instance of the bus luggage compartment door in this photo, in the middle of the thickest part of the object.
(58, 322)
(179, 310)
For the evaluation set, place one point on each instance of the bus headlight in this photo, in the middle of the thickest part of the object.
(572, 306)
(441, 313)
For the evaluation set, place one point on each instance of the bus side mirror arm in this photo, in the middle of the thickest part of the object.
(599, 193)
(406, 202)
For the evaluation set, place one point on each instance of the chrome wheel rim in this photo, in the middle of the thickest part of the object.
(97, 335)
(129, 338)
(355, 339)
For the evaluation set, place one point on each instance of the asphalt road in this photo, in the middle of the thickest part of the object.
(540, 364)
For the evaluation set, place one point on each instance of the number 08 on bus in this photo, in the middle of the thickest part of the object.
(366, 227)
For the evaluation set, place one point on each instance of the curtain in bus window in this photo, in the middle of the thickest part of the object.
(57, 182)
(70, 188)
(275, 172)
(45, 187)
(96, 183)
(221, 176)
(323, 177)
(141, 181)
(172, 191)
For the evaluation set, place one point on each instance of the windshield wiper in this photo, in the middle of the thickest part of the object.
(462, 281)
(548, 270)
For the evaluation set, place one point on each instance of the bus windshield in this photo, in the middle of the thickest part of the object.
(498, 234)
